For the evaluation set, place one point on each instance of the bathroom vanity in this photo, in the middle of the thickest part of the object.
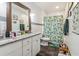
(25, 45)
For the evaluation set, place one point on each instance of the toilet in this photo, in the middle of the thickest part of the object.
(44, 41)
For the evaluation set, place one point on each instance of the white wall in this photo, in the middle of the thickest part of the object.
(72, 40)
(3, 9)
(38, 15)
(56, 13)
(2, 17)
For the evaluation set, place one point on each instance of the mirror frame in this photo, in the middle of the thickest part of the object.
(9, 16)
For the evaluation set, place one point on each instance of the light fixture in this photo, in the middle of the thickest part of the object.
(32, 14)
(57, 7)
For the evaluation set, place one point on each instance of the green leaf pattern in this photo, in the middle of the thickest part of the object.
(53, 27)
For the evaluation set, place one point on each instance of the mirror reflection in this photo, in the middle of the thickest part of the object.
(20, 18)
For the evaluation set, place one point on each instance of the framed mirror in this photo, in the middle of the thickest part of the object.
(18, 17)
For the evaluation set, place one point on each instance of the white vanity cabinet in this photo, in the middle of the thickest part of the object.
(38, 43)
(31, 46)
(35, 44)
(12, 49)
(18, 50)
(27, 47)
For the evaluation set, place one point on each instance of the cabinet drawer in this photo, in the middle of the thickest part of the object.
(28, 54)
(26, 50)
(27, 41)
(27, 47)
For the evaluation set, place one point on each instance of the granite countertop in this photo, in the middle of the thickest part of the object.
(9, 40)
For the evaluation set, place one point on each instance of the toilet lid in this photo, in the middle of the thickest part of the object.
(46, 39)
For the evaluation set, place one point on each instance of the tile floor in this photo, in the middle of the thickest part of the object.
(48, 51)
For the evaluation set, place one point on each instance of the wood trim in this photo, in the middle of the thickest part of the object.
(24, 7)
(70, 9)
(75, 6)
(37, 24)
(20, 5)
(9, 20)
(71, 6)
(9, 15)
(29, 22)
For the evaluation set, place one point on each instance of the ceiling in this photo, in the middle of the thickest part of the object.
(50, 7)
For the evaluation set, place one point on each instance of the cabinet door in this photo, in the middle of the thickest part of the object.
(14, 48)
(35, 45)
(18, 50)
(38, 49)
(38, 42)
(13, 53)
(38, 45)
(27, 47)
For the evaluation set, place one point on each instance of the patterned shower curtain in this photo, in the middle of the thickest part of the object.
(53, 27)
